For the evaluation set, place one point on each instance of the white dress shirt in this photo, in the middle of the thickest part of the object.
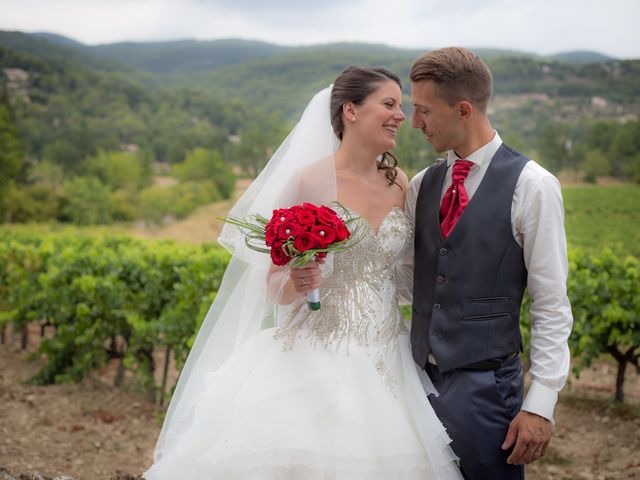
(537, 220)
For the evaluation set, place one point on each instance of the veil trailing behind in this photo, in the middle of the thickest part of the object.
(301, 170)
(327, 394)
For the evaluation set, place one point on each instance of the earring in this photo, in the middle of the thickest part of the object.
(353, 119)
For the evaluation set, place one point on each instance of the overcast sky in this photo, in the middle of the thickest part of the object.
(538, 26)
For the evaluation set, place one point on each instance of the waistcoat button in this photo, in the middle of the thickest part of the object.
(437, 306)
(443, 251)
(440, 279)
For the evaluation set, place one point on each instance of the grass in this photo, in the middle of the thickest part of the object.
(598, 217)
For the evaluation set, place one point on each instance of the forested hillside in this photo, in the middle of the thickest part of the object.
(98, 124)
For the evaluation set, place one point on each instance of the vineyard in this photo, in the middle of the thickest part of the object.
(88, 305)
(97, 299)
(116, 161)
(598, 217)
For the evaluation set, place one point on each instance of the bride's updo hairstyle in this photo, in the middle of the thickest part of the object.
(354, 85)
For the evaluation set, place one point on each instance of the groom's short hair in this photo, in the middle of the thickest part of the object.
(459, 75)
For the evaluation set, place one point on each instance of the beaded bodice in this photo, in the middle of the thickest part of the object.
(359, 297)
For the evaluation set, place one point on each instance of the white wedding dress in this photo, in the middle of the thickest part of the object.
(330, 394)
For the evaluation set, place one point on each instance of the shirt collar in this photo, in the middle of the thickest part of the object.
(481, 155)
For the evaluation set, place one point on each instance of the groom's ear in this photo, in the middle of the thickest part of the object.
(465, 109)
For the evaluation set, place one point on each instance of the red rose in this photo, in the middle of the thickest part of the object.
(278, 256)
(288, 229)
(327, 216)
(310, 207)
(323, 235)
(342, 232)
(324, 208)
(270, 234)
(305, 217)
(321, 255)
(280, 215)
(303, 242)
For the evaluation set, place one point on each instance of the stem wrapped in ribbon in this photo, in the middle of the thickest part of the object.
(298, 234)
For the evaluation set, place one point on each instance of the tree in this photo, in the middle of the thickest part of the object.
(87, 201)
(258, 141)
(605, 298)
(625, 146)
(38, 202)
(600, 135)
(595, 164)
(633, 168)
(11, 156)
(206, 165)
(118, 170)
(554, 143)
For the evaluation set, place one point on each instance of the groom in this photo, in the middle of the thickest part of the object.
(488, 224)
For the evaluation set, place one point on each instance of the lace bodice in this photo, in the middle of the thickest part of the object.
(359, 297)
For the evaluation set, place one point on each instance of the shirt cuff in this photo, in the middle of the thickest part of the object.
(540, 400)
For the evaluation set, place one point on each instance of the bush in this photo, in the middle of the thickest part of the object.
(191, 195)
(595, 164)
(206, 165)
(33, 203)
(605, 298)
(124, 205)
(106, 298)
(158, 202)
(117, 297)
(117, 170)
(604, 290)
(87, 201)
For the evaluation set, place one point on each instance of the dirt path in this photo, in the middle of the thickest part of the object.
(92, 430)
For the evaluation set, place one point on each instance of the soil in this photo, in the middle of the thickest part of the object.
(94, 431)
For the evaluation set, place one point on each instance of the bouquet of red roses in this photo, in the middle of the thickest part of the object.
(295, 235)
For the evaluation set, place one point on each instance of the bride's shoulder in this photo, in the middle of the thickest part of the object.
(402, 179)
(322, 167)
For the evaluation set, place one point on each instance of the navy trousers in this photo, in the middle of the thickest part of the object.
(476, 407)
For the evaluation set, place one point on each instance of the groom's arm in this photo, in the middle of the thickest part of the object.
(540, 226)
(538, 217)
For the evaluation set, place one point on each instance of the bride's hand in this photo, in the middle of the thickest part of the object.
(306, 278)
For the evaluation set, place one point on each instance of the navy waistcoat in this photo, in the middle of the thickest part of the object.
(468, 288)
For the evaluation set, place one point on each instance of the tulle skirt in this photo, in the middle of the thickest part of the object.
(310, 412)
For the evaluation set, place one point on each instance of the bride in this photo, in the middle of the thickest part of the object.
(273, 390)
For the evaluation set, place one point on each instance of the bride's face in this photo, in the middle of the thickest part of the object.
(379, 117)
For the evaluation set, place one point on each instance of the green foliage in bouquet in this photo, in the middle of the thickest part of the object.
(294, 236)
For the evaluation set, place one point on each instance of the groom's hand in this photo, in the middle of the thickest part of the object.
(531, 434)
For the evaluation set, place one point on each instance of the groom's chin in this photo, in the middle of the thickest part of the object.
(438, 148)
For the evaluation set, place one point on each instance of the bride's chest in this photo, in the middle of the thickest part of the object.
(376, 251)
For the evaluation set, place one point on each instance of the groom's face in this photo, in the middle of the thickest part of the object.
(438, 120)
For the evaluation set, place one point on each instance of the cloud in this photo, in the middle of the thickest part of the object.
(542, 26)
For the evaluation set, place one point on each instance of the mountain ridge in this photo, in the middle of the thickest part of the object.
(173, 56)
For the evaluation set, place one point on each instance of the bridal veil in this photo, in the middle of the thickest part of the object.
(301, 170)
